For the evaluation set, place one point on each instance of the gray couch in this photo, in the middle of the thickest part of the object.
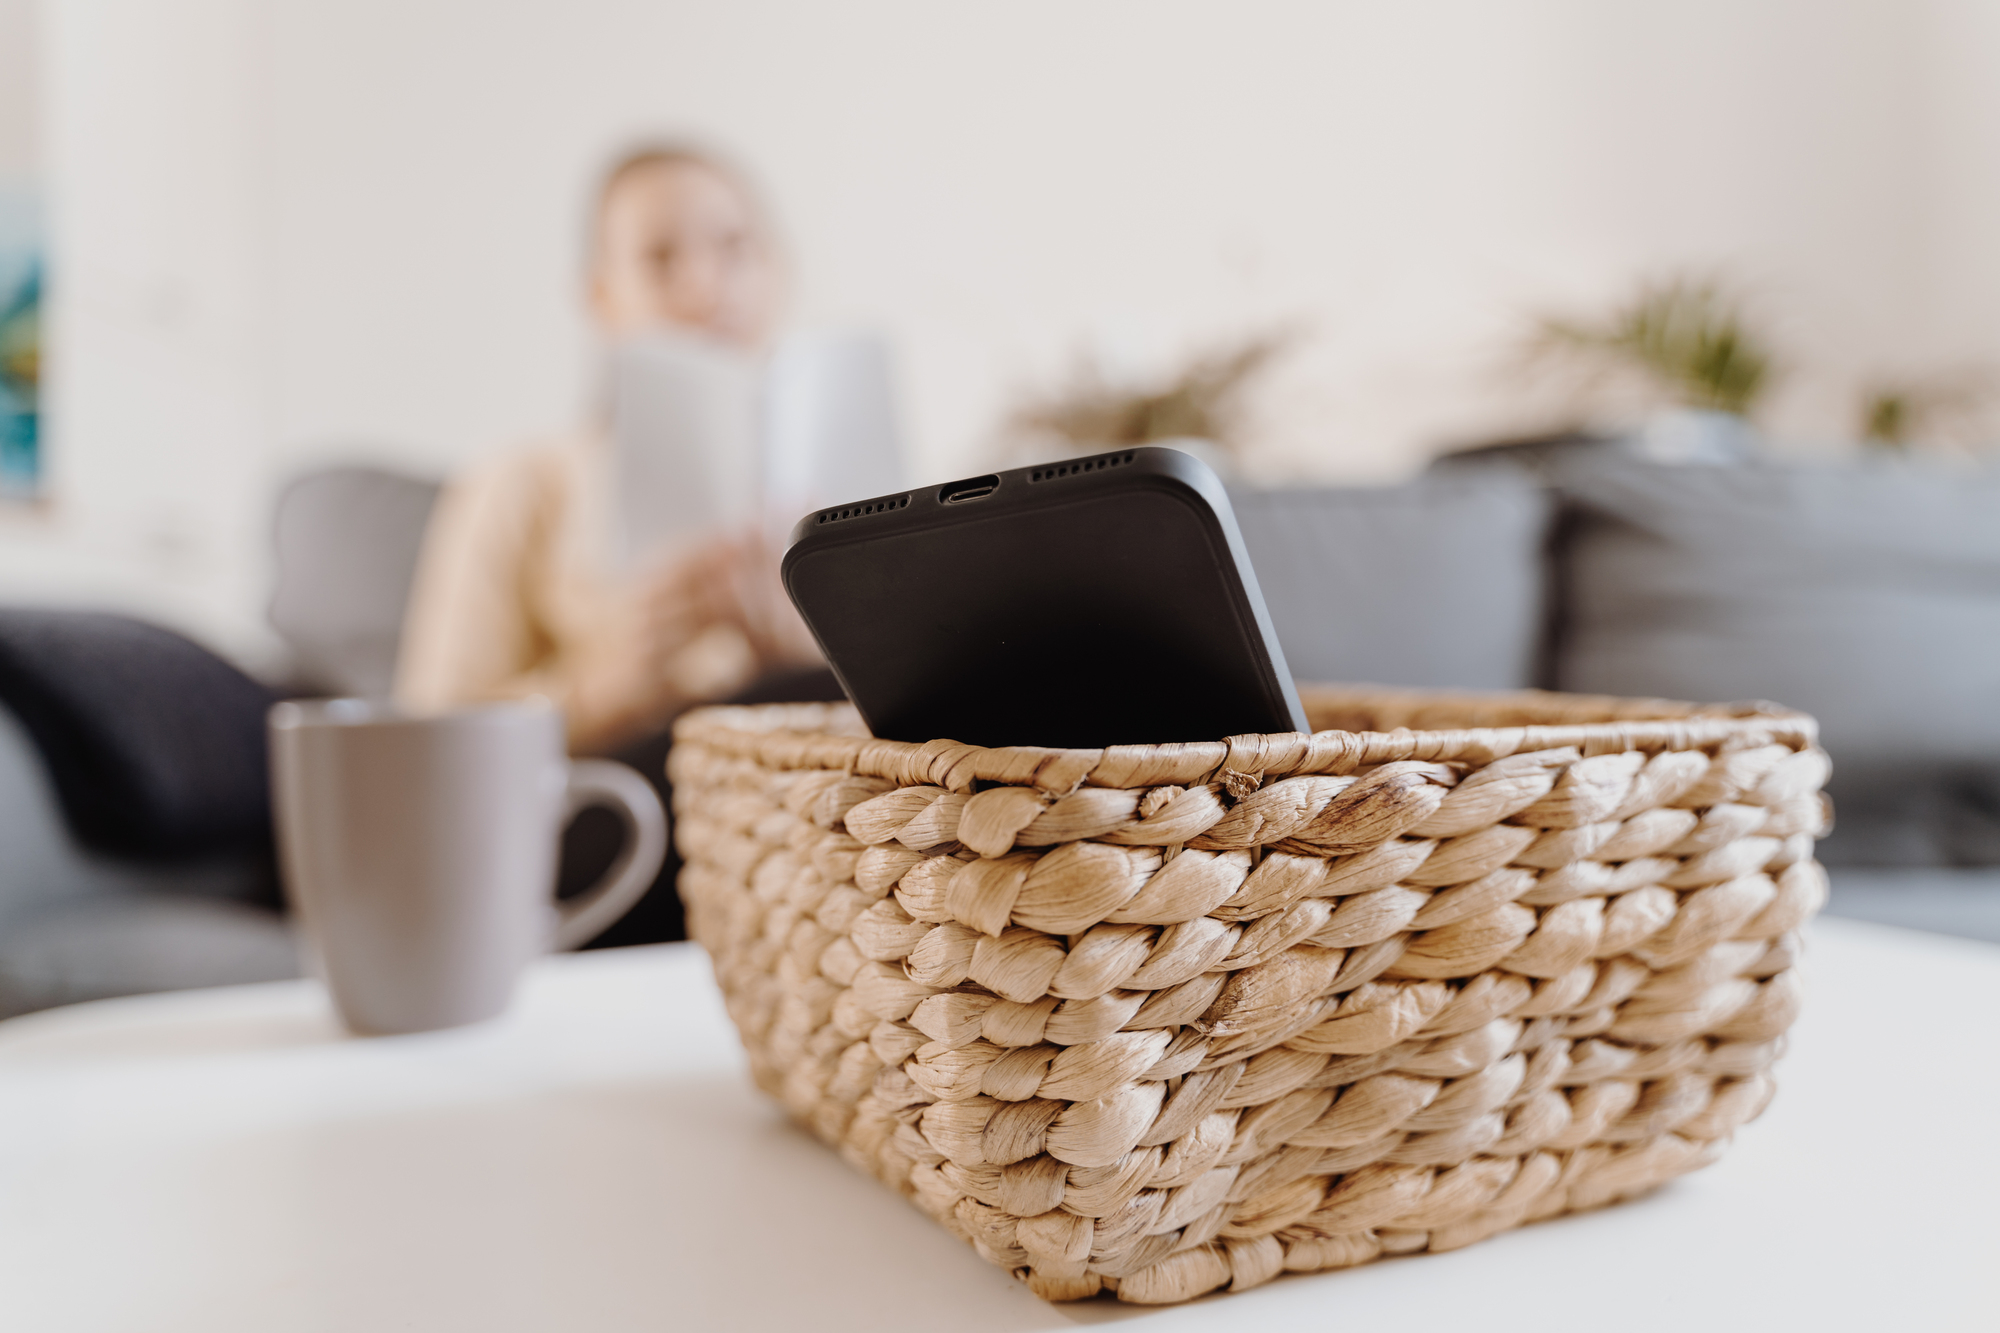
(1868, 596)
(77, 924)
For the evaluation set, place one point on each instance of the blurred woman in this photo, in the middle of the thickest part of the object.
(518, 591)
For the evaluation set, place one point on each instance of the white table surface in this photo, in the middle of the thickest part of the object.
(228, 1160)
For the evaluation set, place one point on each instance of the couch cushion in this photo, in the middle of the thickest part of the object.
(100, 945)
(1950, 900)
(77, 925)
(1435, 583)
(43, 864)
(154, 744)
(1868, 596)
(347, 545)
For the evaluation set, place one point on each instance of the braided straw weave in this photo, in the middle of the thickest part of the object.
(1161, 1018)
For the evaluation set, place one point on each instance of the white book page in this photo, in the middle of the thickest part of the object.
(830, 433)
(706, 440)
(686, 442)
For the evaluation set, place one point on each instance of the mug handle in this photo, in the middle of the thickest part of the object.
(602, 782)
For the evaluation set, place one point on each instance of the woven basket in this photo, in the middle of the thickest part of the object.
(1158, 1019)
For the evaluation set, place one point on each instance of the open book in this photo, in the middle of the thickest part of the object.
(705, 439)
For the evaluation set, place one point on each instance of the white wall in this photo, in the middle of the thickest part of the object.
(20, 87)
(1959, 245)
(156, 383)
(293, 229)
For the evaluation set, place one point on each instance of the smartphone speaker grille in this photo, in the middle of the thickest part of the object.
(1082, 465)
(862, 510)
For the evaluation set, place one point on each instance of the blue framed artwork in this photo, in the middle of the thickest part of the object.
(21, 266)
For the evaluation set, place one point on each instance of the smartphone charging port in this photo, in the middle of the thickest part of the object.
(977, 488)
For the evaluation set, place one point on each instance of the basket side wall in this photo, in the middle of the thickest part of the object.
(1167, 1038)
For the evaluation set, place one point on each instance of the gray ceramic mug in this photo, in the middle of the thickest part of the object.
(420, 852)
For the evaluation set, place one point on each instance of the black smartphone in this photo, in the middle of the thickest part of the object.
(1096, 601)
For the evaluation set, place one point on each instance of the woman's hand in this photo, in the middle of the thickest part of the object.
(684, 597)
(701, 624)
(764, 612)
(726, 586)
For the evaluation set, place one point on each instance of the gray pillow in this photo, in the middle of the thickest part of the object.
(347, 545)
(75, 925)
(1868, 596)
(1436, 583)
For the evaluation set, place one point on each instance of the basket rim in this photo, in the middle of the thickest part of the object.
(827, 736)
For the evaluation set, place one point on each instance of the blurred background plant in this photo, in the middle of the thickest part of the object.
(1204, 399)
(1955, 410)
(1687, 340)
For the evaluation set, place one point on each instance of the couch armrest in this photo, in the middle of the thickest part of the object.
(45, 867)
